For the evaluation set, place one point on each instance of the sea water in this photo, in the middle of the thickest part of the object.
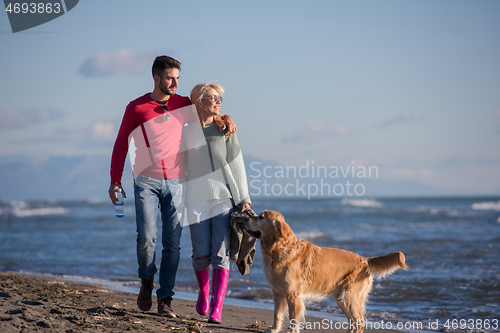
(452, 246)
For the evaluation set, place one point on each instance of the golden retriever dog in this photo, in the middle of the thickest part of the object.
(298, 270)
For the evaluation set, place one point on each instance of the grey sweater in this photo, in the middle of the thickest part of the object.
(215, 168)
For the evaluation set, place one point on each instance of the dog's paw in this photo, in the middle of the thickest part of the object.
(271, 330)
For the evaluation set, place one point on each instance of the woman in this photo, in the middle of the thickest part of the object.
(216, 183)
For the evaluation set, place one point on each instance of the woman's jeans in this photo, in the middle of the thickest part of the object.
(169, 196)
(209, 224)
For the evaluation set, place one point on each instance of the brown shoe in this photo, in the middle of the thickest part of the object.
(165, 307)
(144, 301)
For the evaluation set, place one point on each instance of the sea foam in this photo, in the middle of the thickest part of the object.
(23, 209)
(361, 203)
(486, 206)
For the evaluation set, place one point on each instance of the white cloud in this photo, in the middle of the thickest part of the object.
(315, 130)
(68, 133)
(103, 131)
(123, 62)
(98, 131)
(403, 118)
(18, 118)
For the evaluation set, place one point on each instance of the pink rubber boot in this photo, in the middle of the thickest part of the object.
(203, 278)
(219, 287)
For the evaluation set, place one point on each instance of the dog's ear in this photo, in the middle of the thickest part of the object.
(277, 228)
(274, 239)
(282, 229)
(278, 248)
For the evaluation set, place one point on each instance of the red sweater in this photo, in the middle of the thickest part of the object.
(159, 151)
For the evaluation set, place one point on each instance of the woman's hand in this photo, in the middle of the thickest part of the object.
(245, 206)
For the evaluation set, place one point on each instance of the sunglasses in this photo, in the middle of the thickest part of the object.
(167, 115)
(214, 98)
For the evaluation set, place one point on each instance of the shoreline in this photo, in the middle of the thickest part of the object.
(127, 287)
(51, 304)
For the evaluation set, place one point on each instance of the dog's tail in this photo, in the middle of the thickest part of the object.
(386, 265)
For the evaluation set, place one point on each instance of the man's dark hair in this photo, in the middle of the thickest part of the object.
(163, 62)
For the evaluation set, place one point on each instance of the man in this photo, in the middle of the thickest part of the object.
(155, 122)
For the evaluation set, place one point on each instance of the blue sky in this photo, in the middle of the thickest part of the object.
(412, 87)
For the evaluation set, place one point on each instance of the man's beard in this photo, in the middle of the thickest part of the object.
(166, 90)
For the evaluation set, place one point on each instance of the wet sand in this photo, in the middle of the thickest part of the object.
(42, 304)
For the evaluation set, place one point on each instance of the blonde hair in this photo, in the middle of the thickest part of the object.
(197, 95)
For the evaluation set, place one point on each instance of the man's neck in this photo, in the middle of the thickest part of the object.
(159, 96)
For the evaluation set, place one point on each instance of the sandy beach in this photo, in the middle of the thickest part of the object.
(41, 304)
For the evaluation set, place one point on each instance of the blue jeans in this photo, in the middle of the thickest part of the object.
(169, 196)
(210, 227)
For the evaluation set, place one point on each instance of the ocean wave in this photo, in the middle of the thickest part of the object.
(23, 209)
(446, 211)
(361, 203)
(41, 211)
(486, 206)
(97, 201)
(308, 235)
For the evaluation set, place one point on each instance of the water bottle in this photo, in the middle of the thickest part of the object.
(119, 203)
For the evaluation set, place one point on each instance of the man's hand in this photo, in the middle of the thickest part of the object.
(230, 125)
(112, 192)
